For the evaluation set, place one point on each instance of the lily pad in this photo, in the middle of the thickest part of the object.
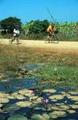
(64, 107)
(46, 116)
(20, 97)
(55, 108)
(74, 92)
(4, 100)
(23, 104)
(57, 114)
(1, 105)
(37, 117)
(17, 117)
(74, 98)
(71, 111)
(25, 91)
(56, 97)
(74, 106)
(11, 108)
(49, 90)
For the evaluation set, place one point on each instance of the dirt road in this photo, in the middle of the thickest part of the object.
(61, 45)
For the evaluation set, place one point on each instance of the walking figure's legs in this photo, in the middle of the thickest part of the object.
(17, 39)
(13, 39)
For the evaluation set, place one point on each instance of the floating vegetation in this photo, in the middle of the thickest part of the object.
(74, 92)
(1, 105)
(38, 100)
(56, 97)
(60, 107)
(38, 117)
(23, 104)
(55, 108)
(57, 114)
(71, 111)
(74, 98)
(17, 117)
(11, 108)
(4, 98)
(64, 107)
(45, 104)
(49, 90)
(26, 92)
(46, 116)
(74, 106)
(20, 97)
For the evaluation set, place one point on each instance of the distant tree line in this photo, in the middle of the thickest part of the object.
(36, 29)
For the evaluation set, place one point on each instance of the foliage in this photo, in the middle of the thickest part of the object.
(36, 29)
(8, 24)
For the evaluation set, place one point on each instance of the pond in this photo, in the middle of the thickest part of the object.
(28, 99)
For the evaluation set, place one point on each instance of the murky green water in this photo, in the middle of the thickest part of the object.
(28, 99)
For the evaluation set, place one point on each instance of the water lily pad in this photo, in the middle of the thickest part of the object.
(76, 103)
(1, 105)
(56, 97)
(64, 107)
(11, 108)
(17, 117)
(60, 106)
(2, 95)
(55, 108)
(23, 104)
(34, 98)
(71, 111)
(46, 116)
(57, 114)
(74, 98)
(25, 91)
(74, 92)
(4, 100)
(49, 90)
(20, 97)
(17, 96)
(14, 95)
(74, 106)
(37, 117)
(11, 97)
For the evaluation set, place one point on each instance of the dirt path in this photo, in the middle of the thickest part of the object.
(61, 45)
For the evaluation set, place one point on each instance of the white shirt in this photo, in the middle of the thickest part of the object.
(16, 31)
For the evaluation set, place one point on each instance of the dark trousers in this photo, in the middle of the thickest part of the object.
(15, 38)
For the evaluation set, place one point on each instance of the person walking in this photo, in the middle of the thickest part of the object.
(16, 34)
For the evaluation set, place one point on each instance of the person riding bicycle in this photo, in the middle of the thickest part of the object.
(51, 31)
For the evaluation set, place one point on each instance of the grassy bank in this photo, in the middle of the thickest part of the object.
(60, 67)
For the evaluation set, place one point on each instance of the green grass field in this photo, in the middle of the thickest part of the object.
(59, 68)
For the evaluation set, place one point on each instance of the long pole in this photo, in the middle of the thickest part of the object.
(48, 10)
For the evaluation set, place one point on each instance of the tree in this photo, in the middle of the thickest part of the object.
(39, 26)
(8, 24)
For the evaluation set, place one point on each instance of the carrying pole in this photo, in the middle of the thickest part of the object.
(48, 10)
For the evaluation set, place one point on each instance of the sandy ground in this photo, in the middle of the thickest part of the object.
(61, 45)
